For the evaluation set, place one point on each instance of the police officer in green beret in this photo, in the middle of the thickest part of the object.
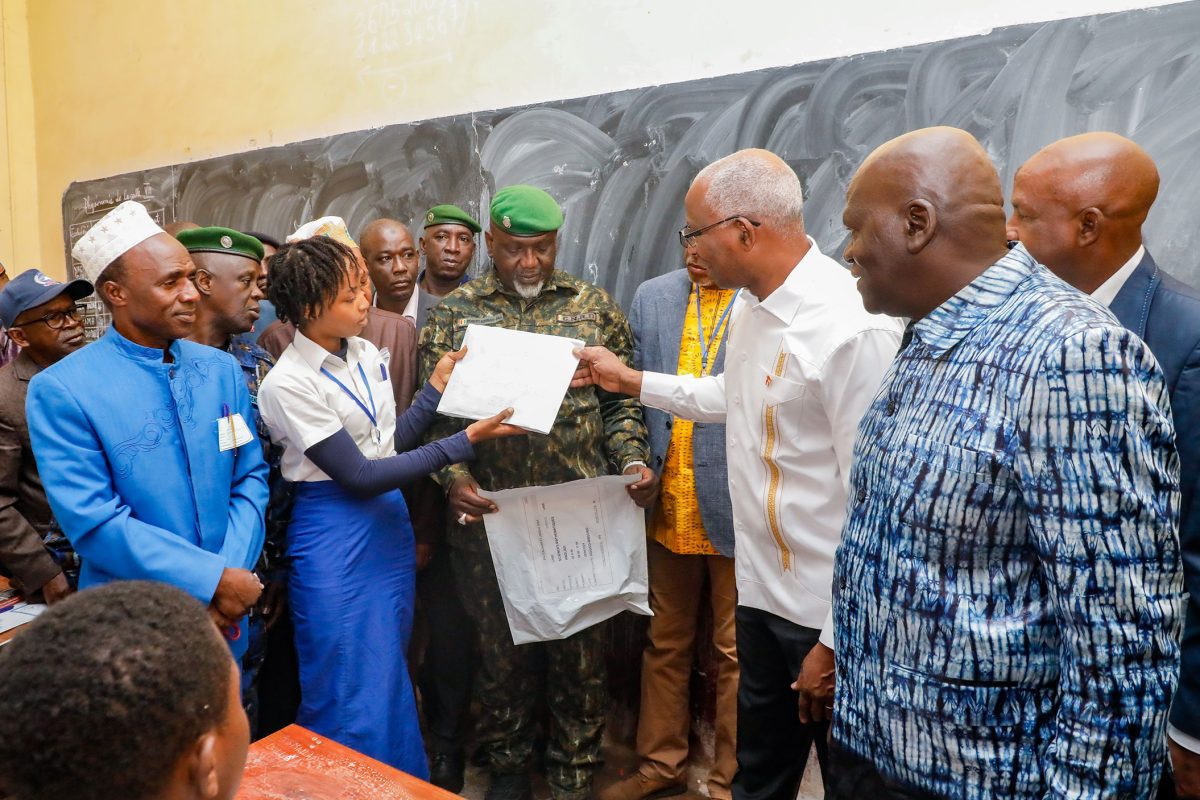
(228, 263)
(448, 243)
(596, 433)
(447, 669)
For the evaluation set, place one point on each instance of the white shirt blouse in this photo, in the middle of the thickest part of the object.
(303, 405)
(801, 367)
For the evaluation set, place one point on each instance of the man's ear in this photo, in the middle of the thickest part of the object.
(1090, 221)
(747, 234)
(114, 292)
(487, 240)
(203, 767)
(18, 336)
(203, 281)
(920, 222)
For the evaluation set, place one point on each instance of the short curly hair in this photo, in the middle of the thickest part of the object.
(307, 275)
(112, 685)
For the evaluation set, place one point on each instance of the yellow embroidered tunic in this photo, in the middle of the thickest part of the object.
(676, 522)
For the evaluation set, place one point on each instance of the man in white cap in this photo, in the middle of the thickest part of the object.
(144, 439)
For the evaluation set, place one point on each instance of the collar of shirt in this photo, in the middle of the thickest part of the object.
(490, 284)
(139, 353)
(25, 367)
(316, 356)
(785, 301)
(1108, 291)
(410, 309)
(944, 327)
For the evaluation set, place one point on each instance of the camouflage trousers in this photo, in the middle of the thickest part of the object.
(511, 688)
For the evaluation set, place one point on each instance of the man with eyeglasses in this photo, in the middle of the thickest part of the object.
(803, 361)
(42, 318)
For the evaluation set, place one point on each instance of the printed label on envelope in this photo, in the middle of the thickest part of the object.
(232, 432)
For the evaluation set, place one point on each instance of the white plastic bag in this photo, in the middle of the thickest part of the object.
(568, 556)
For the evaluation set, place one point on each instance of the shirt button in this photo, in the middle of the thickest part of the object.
(892, 405)
(861, 496)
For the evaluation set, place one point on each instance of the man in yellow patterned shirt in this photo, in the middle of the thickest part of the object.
(679, 322)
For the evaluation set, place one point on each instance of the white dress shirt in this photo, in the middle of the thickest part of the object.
(302, 406)
(801, 367)
(1107, 292)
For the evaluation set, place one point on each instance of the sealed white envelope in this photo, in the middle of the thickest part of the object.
(527, 372)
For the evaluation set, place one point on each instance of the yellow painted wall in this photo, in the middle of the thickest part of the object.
(99, 87)
(20, 245)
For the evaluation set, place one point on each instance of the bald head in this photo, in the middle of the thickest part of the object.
(391, 257)
(926, 217)
(1079, 205)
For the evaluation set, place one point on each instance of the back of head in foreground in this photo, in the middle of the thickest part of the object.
(126, 691)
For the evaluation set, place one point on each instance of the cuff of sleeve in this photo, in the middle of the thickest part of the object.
(446, 476)
(827, 631)
(43, 569)
(656, 388)
(459, 448)
(1190, 743)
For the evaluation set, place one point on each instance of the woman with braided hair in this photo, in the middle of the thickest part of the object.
(352, 568)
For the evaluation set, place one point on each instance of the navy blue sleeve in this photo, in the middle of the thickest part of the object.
(339, 458)
(411, 424)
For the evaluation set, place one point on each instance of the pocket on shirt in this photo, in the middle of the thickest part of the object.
(968, 703)
(779, 390)
(381, 370)
(950, 457)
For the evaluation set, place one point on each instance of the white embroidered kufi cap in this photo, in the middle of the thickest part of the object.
(333, 227)
(117, 232)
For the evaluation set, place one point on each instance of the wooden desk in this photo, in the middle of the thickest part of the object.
(296, 763)
(11, 632)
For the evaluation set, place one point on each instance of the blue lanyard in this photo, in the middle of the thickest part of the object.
(706, 344)
(370, 412)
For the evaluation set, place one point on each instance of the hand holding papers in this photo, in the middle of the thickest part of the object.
(528, 372)
(568, 556)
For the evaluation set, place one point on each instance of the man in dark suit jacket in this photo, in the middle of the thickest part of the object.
(679, 323)
(41, 317)
(1078, 207)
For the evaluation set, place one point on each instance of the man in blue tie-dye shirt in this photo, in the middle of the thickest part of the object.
(1008, 591)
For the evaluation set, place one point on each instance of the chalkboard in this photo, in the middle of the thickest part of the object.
(620, 163)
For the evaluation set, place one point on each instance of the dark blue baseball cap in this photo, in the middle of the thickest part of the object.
(32, 288)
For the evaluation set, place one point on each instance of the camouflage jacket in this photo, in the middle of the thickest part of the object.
(596, 432)
(256, 363)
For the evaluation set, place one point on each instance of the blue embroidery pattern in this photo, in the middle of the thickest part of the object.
(1008, 591)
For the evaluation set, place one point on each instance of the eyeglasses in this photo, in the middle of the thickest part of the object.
(56, 320)
(688, 238)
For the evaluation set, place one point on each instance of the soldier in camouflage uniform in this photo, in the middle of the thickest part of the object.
(227, 266)
(596, 433)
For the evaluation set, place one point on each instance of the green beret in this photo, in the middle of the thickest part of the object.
(525, 211)
(450, 215)
(221, 240)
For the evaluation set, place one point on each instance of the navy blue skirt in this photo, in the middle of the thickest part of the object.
(351, 586)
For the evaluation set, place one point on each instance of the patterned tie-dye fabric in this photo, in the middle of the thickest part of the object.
(1008, 591)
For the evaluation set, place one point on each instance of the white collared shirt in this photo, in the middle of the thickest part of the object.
(1107, 292)
(801, 367)
(302, 406)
